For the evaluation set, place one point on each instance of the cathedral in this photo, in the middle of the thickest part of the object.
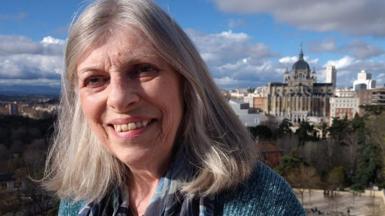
(300, 97)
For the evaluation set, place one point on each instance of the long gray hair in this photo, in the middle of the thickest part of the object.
(80, 168)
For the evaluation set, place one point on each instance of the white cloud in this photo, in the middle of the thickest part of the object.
(46, 41)
(342, 63)
(357, 48)
(10, 45)
(233, 59)
(245, 66)
(348, 67)
(22, 58)
(29, 66)
(31, 82)
(311, 61)
(289, 60)
(52, 46)
(227, 46)
(350, 16)
(225, 81)
(363, 50)
(236, 37)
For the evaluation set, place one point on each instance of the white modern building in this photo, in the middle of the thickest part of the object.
(364, 81)
(331, 75)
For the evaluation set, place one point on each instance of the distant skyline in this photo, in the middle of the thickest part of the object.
(246, 43)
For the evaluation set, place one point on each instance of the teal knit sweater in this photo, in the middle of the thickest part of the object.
(263, 194)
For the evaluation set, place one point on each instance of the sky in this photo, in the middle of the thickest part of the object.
(245, 43)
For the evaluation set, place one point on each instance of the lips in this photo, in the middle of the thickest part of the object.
(130, 126)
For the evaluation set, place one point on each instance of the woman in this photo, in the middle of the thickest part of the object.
(143, 130)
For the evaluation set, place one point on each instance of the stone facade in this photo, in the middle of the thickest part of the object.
(299, 96)
(341, 107)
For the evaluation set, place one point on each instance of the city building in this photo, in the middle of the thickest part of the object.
(345, 103)
(331, 75)
(242, 110)
(257, 99)
(238, 93)
(344, 92)
(259, 103)
(300, 96)
(364, 81)
(378, 96)
(30, 109)
(13, 109)
(374, 96)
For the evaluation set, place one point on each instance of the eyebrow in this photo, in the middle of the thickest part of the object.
(132, 60)
(90, 69)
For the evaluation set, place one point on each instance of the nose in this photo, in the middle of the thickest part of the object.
(123, 95)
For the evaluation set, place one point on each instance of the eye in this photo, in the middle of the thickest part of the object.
(144, 71)
(95, 81)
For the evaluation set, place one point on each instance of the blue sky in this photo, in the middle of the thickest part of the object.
(246, 43)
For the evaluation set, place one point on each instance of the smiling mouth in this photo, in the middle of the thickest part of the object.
(130, 126)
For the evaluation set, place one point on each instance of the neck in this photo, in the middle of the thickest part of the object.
(142, 188)
(143, 183)
(144, 180)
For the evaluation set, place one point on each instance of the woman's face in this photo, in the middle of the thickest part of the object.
(131, 98)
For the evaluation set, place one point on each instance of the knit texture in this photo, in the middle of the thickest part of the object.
(264, 194)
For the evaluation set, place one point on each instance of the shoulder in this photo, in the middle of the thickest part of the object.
(263, 193)
(69, 208)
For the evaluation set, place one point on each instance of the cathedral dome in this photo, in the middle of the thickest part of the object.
(301, 64)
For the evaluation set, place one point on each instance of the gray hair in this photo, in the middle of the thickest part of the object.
(212, 135)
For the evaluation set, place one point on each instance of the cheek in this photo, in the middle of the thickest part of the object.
(86, 106)
(171, 102)
(92, 108)
(165, 95)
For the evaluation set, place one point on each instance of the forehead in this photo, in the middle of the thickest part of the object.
(124, 43)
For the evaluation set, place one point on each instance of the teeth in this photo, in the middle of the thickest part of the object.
(131, 126)
(118, 128)
(123, 127)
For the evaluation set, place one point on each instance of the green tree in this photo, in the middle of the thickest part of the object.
(373, 109)
(288, 163)
(340, 130)
(284, 128)
(261, 132)
(305, 132)
(298, 173)
(358, 123)
(376, 125)
(369, 158)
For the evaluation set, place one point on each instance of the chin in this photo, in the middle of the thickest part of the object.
(132, 155)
